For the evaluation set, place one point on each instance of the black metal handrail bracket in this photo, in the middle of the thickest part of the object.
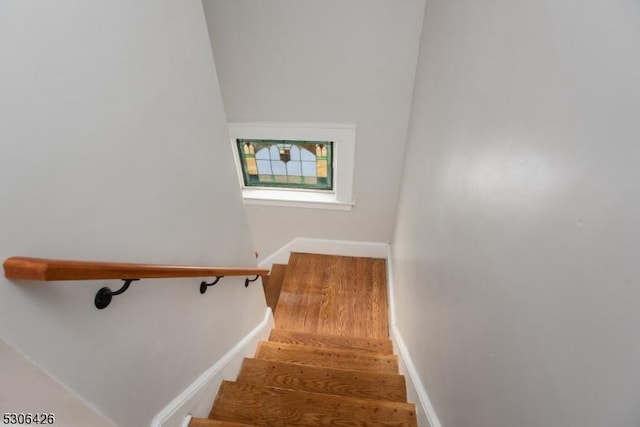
(247, 280)
(204, 285)
(105, 294)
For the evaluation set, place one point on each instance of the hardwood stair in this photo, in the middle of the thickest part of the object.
(313, 383)
(357, 360)
(374, 345)
(304, 378)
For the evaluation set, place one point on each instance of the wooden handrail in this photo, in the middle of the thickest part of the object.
(23, 268)
(54, 269)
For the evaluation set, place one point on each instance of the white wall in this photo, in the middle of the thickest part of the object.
(326, 61)
(516, 240)
(32, 389)
(114, 147)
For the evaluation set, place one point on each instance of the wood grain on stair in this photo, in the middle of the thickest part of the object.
(266, 406)
(374, 345)
(272, 285)
(330, 358)
(334, 295)
(329, 362)
(366, 385)
(206, 422)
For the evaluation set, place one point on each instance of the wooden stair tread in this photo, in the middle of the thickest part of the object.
(272, 285)
(334, 295)
(266, 406)
(328, 357)
(365, 385)
(206, 422)
(374, 345)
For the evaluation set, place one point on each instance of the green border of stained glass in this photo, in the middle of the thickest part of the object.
(254, 181)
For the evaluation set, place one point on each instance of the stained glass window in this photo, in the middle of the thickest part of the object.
(288, 164)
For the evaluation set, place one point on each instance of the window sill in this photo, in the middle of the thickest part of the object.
(294, 199)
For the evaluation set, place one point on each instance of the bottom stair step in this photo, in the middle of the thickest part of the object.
(266, 406)
(205, 422)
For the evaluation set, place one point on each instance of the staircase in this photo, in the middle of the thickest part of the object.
(329, 362)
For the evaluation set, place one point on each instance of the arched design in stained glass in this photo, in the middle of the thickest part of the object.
(285, 163)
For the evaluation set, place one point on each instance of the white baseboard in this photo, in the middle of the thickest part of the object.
(416, 392)
(328, 247)
(196, 399)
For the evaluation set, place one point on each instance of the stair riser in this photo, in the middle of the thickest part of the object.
(273, 284)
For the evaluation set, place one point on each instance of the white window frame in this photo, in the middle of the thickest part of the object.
(344, 139)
